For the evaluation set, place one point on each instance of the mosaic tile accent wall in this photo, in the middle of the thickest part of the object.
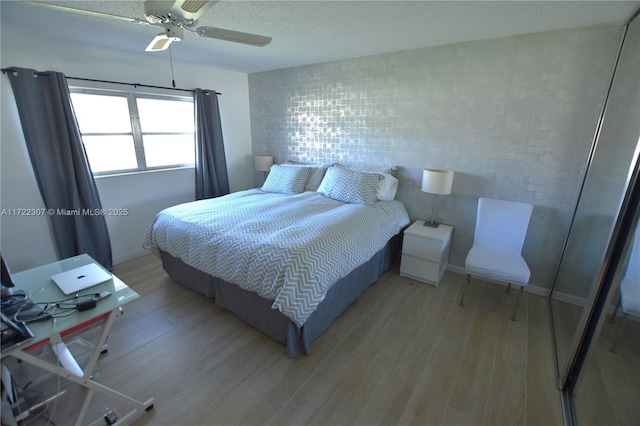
(513, 117)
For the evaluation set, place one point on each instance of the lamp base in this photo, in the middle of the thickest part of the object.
(431, 224)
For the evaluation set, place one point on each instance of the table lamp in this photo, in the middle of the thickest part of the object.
(437, 182)
(263, 163)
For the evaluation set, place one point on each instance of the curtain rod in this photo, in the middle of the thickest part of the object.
(4, 71)
(134, 84)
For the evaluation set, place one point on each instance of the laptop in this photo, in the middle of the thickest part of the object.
(78, 279)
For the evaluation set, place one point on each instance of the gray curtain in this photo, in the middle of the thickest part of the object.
(211, 165)
(60, 164)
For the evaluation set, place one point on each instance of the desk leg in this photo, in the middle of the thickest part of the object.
(69, 369)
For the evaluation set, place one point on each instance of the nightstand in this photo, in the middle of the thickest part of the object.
(425, 252)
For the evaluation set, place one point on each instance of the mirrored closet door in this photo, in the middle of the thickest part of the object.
(600, 380)
(604, 383)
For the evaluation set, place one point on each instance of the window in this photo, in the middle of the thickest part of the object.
(125, 132)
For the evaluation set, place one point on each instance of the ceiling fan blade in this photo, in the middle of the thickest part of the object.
(234, 36)
(188, 8)
(88, 12)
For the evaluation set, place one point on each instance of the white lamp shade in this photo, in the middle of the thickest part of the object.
(436, 181)
(263, 163)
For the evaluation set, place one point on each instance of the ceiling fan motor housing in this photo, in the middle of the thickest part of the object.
(157, 12)
(174, 12)
(174, 32)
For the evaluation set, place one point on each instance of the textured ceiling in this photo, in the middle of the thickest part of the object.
(306, 32)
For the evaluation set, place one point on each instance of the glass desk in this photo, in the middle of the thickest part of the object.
(38, 285)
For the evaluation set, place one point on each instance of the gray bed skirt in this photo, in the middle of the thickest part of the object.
(257, 312)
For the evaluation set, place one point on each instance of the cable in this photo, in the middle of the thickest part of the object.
(13, 302)
(53, 309)
(35, 404)
(173, 80)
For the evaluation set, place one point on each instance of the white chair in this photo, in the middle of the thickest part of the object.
(629, 288)
(501, 227)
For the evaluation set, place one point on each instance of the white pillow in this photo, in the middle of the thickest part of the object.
(349, 185)
(387, 188)
(286, 180)
(388, 185)
(317, 173)
(391, 170)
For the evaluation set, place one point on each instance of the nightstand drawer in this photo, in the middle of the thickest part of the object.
(424, 248)
(421, 270)
(425, 252)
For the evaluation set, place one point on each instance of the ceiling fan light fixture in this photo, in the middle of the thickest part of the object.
(163, 40)
(160, 42)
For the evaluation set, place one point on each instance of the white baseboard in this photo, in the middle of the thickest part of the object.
(545, 292)
(132, 256)
(529, 288)
(568, 298)
(457, 269)
(537, 290)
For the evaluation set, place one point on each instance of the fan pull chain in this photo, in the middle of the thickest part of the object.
(173, 80)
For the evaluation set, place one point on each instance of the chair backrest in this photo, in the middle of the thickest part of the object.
(502, 224)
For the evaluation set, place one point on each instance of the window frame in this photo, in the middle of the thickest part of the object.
(136, 130)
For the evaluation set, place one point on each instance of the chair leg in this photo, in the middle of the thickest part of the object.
(616, 335)
(464, 287)
(615, 311)
(508, 288)
(515, 309)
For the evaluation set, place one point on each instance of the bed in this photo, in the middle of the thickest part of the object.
(285, 259)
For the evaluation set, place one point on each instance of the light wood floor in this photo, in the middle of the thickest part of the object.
(404, 353)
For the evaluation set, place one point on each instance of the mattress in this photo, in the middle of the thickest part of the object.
(289, 249)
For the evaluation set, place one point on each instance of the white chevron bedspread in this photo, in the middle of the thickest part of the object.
(287, 248)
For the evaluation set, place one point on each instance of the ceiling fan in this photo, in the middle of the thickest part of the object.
(174, 17)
